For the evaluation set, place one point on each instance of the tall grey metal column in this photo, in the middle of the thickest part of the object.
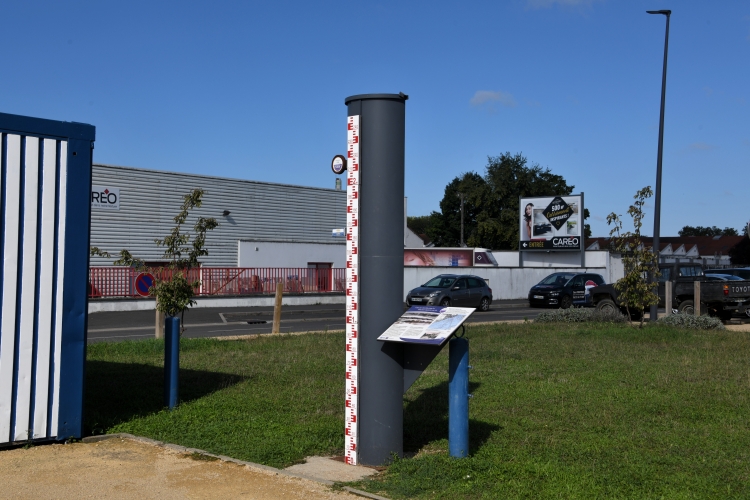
(381, 272)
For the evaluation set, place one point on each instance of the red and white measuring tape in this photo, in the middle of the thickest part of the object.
(352, 289)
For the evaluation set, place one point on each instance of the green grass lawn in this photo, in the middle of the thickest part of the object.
(273, 401)
(558, 410)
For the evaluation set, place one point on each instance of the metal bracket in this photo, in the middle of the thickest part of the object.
(463, 332)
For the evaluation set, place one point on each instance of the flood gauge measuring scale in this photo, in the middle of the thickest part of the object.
(352, 289)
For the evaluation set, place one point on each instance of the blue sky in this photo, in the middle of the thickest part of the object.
(256, 90)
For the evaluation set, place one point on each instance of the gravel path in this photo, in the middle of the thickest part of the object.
(123, 468)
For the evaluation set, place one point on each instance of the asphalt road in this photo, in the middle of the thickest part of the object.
(218, 322)
(230, 321)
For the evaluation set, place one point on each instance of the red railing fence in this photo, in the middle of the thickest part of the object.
(218, 281)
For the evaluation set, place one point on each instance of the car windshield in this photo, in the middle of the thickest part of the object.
(557, 279)
(440, 282)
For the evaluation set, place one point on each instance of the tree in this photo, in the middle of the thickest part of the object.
(174, 294)
(491, 203)
(444, 227)
(418, 223)
(635, 290)
(740, 253)
(707, 231)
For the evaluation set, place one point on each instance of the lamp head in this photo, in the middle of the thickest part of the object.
(665, 12)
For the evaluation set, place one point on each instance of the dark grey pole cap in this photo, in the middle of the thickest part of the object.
(361, 97)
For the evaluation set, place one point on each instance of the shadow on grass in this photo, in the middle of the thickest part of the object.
(426, 420)
(119, 392)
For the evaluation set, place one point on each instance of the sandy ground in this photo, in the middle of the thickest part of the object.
(123, 468)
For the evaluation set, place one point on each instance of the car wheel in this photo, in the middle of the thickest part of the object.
(566, 302)
(747, 313)
(686, 307)
(445, 302)
(607, 305)
(484, 304)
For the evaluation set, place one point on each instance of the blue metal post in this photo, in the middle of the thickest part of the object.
(171, 361)
(458, 397)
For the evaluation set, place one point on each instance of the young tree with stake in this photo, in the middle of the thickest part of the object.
(635, 289)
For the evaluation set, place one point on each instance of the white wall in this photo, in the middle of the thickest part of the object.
(411, 240)
(508, 281)
(514, 282)
(289, 254)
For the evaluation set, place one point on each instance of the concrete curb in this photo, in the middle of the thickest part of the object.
(149, 304)
(223, 458)
(364, 494)
(251, 336)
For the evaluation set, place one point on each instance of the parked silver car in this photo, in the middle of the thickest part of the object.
(452, 290)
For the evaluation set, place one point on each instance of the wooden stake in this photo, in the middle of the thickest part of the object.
(668, 297)
(277, 308)
(697, 297)
(159, 326)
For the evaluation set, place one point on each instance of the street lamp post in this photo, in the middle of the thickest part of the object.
(657, 209)
(461, 195)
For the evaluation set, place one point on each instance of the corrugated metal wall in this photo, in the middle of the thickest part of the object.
(149, 199)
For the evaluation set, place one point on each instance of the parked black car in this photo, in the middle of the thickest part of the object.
(719, 298)
(742, 272)
(564, 290)
(452, 290)
(722, 277)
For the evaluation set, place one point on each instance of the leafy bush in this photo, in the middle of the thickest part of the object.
(692, 322)
(580, 315)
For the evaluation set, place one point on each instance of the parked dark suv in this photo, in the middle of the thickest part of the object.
(452, 290)
(564, 290)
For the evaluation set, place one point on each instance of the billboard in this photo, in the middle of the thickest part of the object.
(551, 223)
(439, 257)
(448, 257)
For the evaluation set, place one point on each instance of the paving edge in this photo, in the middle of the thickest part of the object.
(223, 458)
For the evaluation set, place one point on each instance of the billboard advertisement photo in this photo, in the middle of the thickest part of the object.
(438, 257)
(448, 257)
(551, 223)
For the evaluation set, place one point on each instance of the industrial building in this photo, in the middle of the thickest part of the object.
(261, 224)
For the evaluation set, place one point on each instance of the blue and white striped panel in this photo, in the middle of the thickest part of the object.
(32, 210)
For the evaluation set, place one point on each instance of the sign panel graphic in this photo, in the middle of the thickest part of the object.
(551, 223)
(105, 197)
(352, 290)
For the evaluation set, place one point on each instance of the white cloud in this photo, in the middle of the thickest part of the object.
(490, 97)
(544, 4)
(702, 146)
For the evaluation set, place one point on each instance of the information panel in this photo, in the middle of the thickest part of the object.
(352, 290)
(551, 223)
(427, 324)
